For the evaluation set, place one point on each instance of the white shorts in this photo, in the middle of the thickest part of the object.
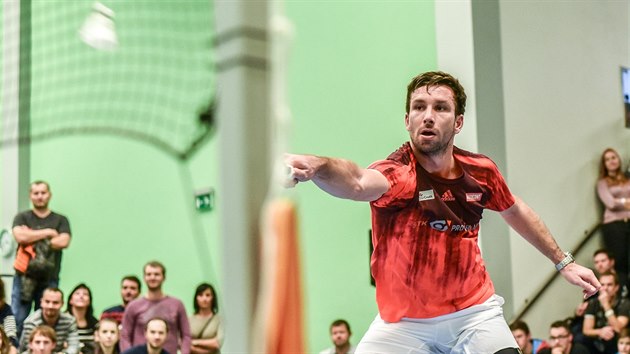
(477, 329)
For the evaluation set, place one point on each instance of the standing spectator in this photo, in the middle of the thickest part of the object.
(340, 335)
(156, 304)
(80, 307)
(155, 338)
(7, 320)
(41, 234)
(63, 324)
(613, 189)
(206, 326)
(523, 337)
(561, 341)
(606, 316)
(43, 340)
(129, 290)
(107, 337)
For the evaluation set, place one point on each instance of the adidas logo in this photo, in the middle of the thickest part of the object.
(448, 196)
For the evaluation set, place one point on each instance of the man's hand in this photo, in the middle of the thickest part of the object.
(604, 299)
(302, 167)
(581, 308)
(606, 333)
(582, 277)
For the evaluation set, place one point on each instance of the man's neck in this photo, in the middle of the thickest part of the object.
(151, 350)
(342, 349)
(50, 321)
(156, 294)
(440, 164)
(41, 212)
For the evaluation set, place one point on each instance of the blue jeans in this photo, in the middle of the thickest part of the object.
(22, 309)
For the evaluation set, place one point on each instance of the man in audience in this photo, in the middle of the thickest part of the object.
(561, 341)
(527, 344)
(39, 230)
(340, 334)
(129, 290)
(49, 314)
(604, 261)
(606, 316)
(156, 304)
(42, 340)
(155, 337)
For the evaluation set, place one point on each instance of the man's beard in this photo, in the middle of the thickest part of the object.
(436, 148)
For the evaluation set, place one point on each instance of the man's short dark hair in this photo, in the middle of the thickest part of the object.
(40, 182)
(340, 322)
(134, 279)
(610, 274)
(438, 78)
(146, 326)
(518, 324)
(155, 264)
(54, 290)
(604, 251)
(561, 323)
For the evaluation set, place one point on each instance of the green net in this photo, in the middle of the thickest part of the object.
(156, 85)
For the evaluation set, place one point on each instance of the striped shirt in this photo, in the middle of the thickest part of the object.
(66, 329)
(7, 320)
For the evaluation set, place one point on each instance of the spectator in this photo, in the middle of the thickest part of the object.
(7, 320)
(604, 261)
(41, 235)
(606, 316)
(613, 189)
(107, 336)
(80, 307)
(623, 343)
(5, 345)
(340, 334)
(42, 340)
(129, 290)
(206, 326)
(156, 304)
(527, 344)
(63, 324)
(561, 341)
(155, 338)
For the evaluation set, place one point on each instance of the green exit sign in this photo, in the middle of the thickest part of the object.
(204, 200)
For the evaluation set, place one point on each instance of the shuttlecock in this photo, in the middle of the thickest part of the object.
(98, 30)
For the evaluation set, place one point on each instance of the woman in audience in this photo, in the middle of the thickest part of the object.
(623, 342)
(106, 337)
(80, 306)
(206, 326)
(5, 346)
(613, 189)
(7, 320)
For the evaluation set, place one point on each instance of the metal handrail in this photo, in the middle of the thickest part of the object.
(588, 235)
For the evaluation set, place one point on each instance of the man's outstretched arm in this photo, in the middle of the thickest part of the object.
(338, 177)
(529, 225)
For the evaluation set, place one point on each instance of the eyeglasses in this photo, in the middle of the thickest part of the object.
(563, 336)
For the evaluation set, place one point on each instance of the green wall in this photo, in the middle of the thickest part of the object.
(350, 64)
(129, 202)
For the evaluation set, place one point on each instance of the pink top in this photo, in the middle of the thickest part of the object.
(610, 195)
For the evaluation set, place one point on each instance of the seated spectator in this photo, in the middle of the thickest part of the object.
(528, 345)
(605, 316)
(5, 345)
(604, 261)
(623, 343)
(561, 341)
(80, 307)
(340, 334)
(155, 337)
(42, 340)
(7, 320)
(130, 287)
(206, 326)
(63, 324)
(106, 337)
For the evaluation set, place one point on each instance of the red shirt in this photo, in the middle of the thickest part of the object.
(426, 260)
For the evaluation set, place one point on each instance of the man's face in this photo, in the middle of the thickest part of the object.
(522, 339)
(41, 345)
(603, 263)
(51, 303)
(559, 337)
(339, 335)
(155, 334)
(40, 196)
(129, 290)
(153, 277)
(608, 285)
(431, 121)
